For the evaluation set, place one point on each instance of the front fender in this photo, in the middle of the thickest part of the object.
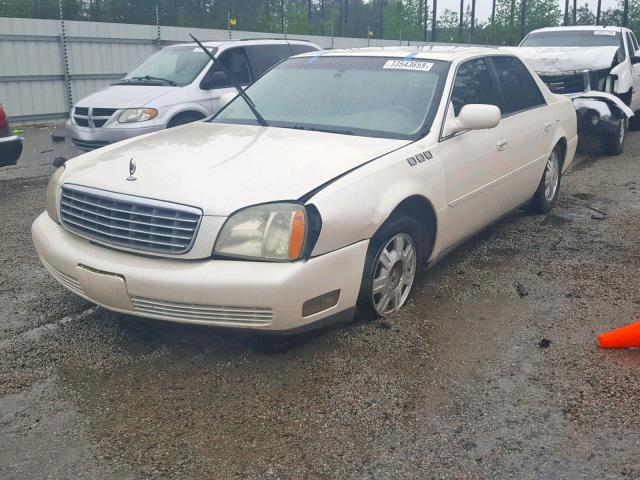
(180, 108)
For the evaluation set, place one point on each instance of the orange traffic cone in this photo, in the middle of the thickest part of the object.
(623, 337)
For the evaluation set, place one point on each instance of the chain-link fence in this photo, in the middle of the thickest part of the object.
(405, 20)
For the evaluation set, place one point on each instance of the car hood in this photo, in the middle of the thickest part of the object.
(125, 96)
(563, 59)
(221, 168)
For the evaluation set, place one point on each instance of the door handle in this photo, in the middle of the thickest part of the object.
(502, 144)
(547, 126)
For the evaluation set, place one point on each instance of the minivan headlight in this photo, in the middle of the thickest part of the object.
(51, 198)
(274, 231)
(131, 115)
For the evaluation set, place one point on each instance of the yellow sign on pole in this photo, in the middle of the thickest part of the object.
(233, 21)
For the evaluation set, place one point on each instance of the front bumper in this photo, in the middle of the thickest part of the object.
(10, 150)
(87, 138)
(239, 294)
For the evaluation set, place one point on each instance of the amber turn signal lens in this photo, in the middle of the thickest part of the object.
(297, 235)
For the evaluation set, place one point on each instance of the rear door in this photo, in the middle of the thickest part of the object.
(527, 127)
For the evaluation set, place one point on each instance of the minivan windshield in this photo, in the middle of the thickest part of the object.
(573, 38)
(367, 96)
(170, 66)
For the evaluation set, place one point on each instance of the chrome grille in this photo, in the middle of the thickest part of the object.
(92, 117)
(206, 314)
(127, 221)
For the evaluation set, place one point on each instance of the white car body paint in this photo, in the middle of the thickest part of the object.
(470, 179)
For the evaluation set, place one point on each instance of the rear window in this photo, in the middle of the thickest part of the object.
(573, 38)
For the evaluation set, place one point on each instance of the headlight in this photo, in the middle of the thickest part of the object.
(51, 199)
(274, 231)
(131, 115)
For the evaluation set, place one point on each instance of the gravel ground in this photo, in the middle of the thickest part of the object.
(492, 370)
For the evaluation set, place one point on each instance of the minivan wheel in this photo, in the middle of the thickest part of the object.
(547, 193)
(613, 144)
(390, 268)
(184, 118)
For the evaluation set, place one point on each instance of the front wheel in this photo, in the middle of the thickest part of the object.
(547, 193)
(390, 268)
(613, 144)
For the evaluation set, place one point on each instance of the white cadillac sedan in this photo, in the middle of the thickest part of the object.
(319, 192)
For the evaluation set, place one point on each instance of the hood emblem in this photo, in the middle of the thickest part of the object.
(132, 170)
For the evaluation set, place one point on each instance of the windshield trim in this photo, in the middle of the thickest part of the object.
(423, 131)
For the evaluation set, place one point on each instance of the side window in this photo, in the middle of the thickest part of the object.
(634, 40)
(632, 44)
(473, 84)
(263, 57)
(297, 49)
(518, 87)
(235, 59)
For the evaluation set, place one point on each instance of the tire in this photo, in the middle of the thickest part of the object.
(614, 144)
(547, 193)
(184, 118)
(402, 234)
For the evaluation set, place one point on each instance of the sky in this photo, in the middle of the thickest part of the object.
(483, 7)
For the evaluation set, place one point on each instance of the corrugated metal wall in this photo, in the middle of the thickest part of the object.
(34, 71)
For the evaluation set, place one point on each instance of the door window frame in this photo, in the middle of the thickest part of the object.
(441, 136)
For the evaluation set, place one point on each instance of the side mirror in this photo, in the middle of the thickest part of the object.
(59, 161)
(475, 116)
(217, 79)
(635, 59)
(227, 97)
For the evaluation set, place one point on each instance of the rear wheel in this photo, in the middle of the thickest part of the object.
(390, 268)
(613, 144)
(547, 193)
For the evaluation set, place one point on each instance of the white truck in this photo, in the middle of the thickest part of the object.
(598, 68)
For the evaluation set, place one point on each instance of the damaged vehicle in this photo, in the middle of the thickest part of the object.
(598, 68)
(320, 189)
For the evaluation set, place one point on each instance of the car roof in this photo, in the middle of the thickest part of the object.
(432, 52)
(245, 42)
(580, 27)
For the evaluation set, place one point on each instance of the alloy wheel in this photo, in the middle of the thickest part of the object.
(394, 273)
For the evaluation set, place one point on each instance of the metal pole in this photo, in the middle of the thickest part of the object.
(332, 33)
(158, 37)
(493, 16)
(424, 20)
(434, 21)
(473, 20)
(625, 14)
(599, 9)
(460, 28)
(523, 17)
(566, 13)
(229, 24)
(65, 58)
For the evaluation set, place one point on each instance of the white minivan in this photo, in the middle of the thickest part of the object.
(177, 85)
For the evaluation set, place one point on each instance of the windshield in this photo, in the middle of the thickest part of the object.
(573, 38)
(170, 66)
(368, 96)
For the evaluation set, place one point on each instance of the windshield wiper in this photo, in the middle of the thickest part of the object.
(341, 131)
(237, 86)
(149, 78)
